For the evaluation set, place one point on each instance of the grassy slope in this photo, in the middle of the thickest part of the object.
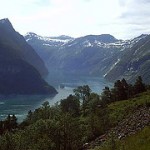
(139, 141)
(120, 110)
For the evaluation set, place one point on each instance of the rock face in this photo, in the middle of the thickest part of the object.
(82, 55)
(133, 62)
(17, 75)
(100, 55)
(134, 123)
(128, 126)
(10, 38)
(45, 46)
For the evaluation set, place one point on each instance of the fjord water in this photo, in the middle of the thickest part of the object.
(21, 104)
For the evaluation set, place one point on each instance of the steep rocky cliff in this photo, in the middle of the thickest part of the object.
(12, 39)
(18, 61)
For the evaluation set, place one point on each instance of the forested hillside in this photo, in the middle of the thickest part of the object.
(84, 120)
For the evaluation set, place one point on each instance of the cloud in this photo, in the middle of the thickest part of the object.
(78, 17)
(87, 0)
(136, 13)
(123, 2)
(145, 1)
(135, 16)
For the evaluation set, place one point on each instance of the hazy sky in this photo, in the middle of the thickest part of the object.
(121, 18)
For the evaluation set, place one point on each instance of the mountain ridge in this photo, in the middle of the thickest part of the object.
(17, 60)
(97, 55)
(10, 37)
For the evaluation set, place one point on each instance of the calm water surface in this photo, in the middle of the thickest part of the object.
(21, 104)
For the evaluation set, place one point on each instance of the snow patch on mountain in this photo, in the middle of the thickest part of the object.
(83, 42)
(112, 67)
(87, 43)
(60, 39)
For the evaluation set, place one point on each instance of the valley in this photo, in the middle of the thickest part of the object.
(75, 75)
(63, 79)
(96, 55)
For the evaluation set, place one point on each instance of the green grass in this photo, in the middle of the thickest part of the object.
(139, 141)
(121, 109)
(118, 111)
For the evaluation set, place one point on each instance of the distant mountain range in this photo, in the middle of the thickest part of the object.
(100, 55)
(21, 67)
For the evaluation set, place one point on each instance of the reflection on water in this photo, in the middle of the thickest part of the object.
(21, 104)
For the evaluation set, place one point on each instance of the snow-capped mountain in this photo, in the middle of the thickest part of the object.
(133, 62)
(49, 41)
(103, 41)
(91, 54)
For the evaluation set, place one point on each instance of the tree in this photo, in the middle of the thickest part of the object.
(120, 90)
(106, 95)
(13, 122)
(7, 122)
(7, 142)
(98, 122)
(83, 94)
(70, 132)
(29, 116)
(45, 110)
(124, 83)
(1, 127)
(139, 86)
(70, 105)
(94, 102)
(10, 123)
(45, 105)
(130, 93)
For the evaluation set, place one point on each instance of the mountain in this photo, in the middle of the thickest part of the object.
(69, 54)
(100, 55)
(133, 62)
(17, 75)
(11, 38)
(44, 46)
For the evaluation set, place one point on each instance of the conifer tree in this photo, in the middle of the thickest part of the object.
(106, 95)
(139, 86)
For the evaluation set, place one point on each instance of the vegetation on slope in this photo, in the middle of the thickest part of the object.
(78, 119)
(138, 141)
